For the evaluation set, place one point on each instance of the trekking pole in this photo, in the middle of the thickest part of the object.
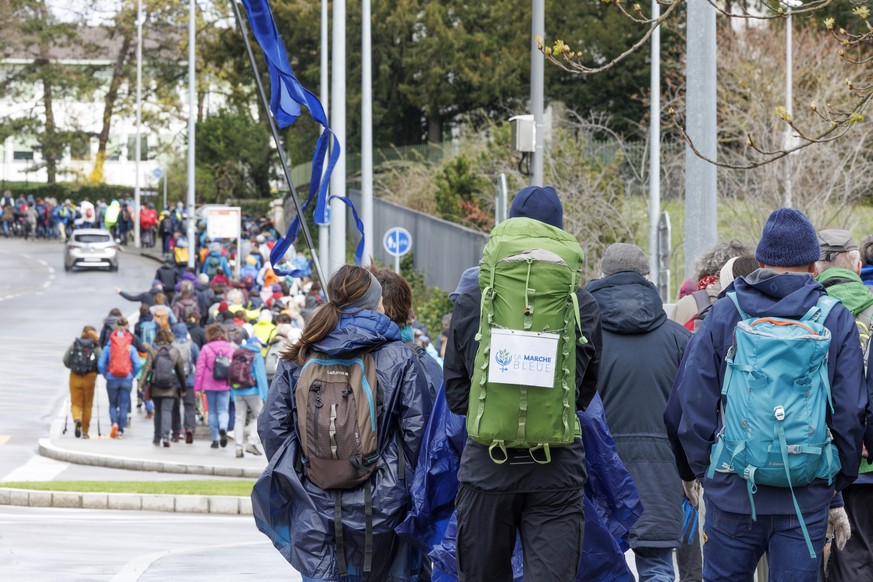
(97, 398)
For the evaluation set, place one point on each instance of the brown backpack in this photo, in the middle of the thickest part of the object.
(337, 417)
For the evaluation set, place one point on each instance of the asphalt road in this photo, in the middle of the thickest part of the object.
(42, 309)
(43, 544)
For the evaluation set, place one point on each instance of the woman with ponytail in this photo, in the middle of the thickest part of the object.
(343, 533)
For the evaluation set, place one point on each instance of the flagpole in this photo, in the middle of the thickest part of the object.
(366, 131)
(275, 131)
(338, 124)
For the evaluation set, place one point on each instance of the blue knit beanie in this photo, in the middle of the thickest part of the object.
(540, 203)
(788, 240)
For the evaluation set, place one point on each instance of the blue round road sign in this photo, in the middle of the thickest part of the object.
(158, 173)
(397, 241)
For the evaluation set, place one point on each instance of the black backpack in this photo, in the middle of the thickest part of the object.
(163, 371)
(166, 225)
(221, 367)
(82, 359)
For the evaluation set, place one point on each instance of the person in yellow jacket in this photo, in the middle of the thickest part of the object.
(265, 330)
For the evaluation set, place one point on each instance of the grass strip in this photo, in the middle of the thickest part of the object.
(200, 487)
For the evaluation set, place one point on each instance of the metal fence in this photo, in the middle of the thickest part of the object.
(441, 250)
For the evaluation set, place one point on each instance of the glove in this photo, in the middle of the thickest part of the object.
(691, 490)
(838, 525)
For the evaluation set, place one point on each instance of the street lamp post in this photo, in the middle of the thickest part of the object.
(192, 121)
(138, 146)
(789, 95)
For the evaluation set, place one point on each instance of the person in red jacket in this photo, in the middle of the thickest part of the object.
(148, 220)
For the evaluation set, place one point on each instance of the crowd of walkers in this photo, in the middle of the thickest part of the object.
(551, 427)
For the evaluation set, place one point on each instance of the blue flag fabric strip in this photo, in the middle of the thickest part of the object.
(287, 95)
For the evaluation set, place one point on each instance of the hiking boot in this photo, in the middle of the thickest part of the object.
(174, 438)
(114, 432)
(166, 444)
(254, 449)
(78, 429)
(120, 436)
(189, 436)
(239, 453)
(156, 442)
(214, 444)
(150, 415)
(85, 436)
(223, 440)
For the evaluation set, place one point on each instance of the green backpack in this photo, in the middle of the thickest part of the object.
(523, 390)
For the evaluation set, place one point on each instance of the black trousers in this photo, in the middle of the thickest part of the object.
(163, 416)
(551, 525)
(855, 561)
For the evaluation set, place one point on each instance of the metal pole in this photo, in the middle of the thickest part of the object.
(537, 82)
(788, 105)
(282, 160)
(397, 251)
(323, 229)
(655, 149)
(701, 225)
(138, 146)
(192, 122)
(366, 132)
(338, 124)
(165, 189)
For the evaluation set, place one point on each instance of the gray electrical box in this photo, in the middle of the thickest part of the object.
(524, 133)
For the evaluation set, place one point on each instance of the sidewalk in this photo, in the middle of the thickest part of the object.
(137, 453)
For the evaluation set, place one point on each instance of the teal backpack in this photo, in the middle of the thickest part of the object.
(523, 389)
(775, 398)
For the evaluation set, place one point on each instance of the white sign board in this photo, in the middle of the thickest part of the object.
(523, 358)
(223, 222)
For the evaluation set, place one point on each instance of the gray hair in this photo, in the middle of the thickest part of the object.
(848, 260)
(711, 262)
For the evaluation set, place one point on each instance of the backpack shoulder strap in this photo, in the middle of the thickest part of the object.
(701, 297)
(819, 313)
(732, 295)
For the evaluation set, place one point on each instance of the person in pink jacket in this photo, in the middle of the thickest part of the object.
(213, 367)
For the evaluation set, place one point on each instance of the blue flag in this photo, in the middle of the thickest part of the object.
(287, 95)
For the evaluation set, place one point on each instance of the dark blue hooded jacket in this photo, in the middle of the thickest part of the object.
(642, 350)
(297, 515)
(692, 416)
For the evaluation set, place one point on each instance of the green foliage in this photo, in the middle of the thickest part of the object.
(63, 190)
(429, 303)
(459, 191)
(241, 487)
(236, 150)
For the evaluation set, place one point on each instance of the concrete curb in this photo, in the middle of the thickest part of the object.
(52, 451)
(213, 504)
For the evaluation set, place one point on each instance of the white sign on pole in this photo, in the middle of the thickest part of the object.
(523, 358)
(223, 222)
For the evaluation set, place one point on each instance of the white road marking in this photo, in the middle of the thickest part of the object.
(132, 571)
(37, 469)
(4, 438)
(51, 270)
(43, 263)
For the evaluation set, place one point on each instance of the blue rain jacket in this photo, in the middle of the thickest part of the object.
(296, 515)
